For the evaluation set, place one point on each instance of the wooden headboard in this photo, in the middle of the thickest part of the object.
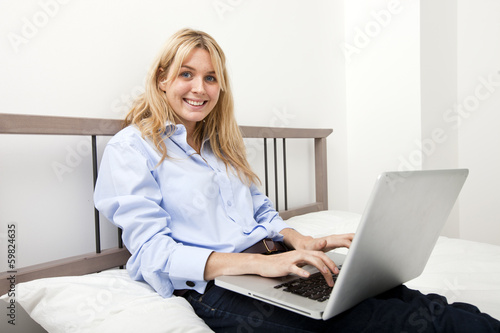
(93, 127)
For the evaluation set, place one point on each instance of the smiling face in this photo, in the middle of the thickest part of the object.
(194, 92)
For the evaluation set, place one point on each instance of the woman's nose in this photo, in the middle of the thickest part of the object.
(198, 86)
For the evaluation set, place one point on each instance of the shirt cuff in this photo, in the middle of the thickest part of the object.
(187, 268)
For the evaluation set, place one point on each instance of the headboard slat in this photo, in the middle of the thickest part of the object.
(32, 124)
(76, 265)
(310, 208)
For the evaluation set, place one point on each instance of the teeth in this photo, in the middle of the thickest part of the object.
(194, 103)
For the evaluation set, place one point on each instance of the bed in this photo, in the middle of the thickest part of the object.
(91, 293)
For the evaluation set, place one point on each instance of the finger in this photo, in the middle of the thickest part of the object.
(319, 244)
(332, 267)
(349, 237)
(325, 265)
(300, 271)
(336, 241)
(348, 240)
(327, 274)
(322, 268)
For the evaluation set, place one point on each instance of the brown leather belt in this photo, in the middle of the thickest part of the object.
(266, 246)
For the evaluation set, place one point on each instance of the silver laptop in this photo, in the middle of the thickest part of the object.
(397, 232)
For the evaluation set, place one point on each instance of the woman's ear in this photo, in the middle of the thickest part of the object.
(162, 80)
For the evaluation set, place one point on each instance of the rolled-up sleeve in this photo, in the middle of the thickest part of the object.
(128, 194)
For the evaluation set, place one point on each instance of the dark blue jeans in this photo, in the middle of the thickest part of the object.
(397, 310)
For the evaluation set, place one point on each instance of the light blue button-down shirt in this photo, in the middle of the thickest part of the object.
(175, 214)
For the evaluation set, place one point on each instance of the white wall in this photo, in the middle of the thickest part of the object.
(460, 99)
(382, 43)
(438, 52)
(477, 110)
(89, 58)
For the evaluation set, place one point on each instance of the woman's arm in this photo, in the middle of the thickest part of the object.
(308, 251)
(268, 265)
(128, 194)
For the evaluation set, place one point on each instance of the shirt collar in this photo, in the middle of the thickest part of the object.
(179, 135)
(177, 129)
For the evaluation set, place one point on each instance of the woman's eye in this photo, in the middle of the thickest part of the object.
(211, 78)
(185, 74)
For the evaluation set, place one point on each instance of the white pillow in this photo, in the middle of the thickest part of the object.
(108, 302)
(325, 223)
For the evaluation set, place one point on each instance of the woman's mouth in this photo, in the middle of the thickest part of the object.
(194, 103)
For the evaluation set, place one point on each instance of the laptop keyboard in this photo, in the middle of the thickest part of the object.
(314, 287)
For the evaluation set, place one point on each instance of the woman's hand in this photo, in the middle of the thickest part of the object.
(282, 264)
(308, 251)
(297, 241)
(273, 265)
(309, 246)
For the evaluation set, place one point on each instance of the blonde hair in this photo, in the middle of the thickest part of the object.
(151, 111)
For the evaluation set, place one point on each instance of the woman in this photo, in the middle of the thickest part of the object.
(177, 182)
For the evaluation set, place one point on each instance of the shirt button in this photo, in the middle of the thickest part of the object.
(229, 203)
(190, 284)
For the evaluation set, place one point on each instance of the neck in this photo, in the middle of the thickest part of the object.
(190, 127)
(191, 140)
